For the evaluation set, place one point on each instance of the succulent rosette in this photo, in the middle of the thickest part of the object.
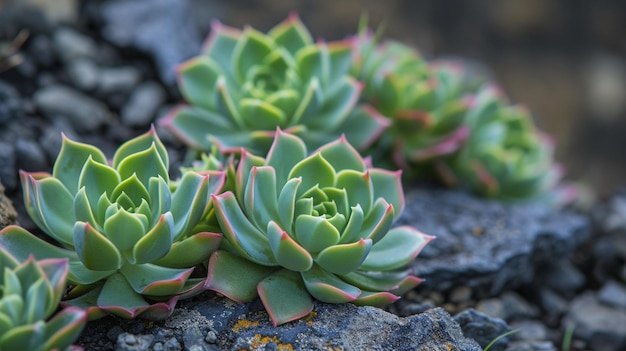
(505, 155)
(132, 243)
(247, 83)
(299, 226)
(424, 102)
(30, 292)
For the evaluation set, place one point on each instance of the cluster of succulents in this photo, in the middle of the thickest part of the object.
(283, 207)
(30, 292)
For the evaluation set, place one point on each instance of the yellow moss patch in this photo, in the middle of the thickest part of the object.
(244, 323)
(260, 340)
(309, 318)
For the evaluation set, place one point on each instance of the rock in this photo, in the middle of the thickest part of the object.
(330, 326)
(613, 294)
(130, 342)
(552, 303)
(143, 104)
(603, 327)
(562, 277)
(71, 44)
(8, 214)
(83, 112)
(531, 346)
(117, 80)
(11, 105)
(56, 11)
(30, 157)
(160, 27)
(483, 329)
(484, 244)
(517, 307)
(83, 73)
(529, 330)
(51, 138)
(42, 50)
(8, 170)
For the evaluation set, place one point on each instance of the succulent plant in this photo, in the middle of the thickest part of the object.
(30, 292)
(247, 83)
(424, 102)
(132, 243)
(299, 227)
(505, 155)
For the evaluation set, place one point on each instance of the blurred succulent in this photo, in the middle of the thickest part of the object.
(30, 292)
(424, 102)
(298, 226)
(246, 83)
(129, 238)
(505, 156)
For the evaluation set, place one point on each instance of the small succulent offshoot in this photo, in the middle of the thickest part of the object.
(132, 243)
(30, 292)
(299, 226)
(424, 102)
(505, 155)
(247, 83)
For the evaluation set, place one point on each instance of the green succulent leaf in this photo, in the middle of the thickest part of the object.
(145, 165)
(259, 114)
(137, 146)
(260, 195)
(191, 251)
(388, 185)
(220, 45)
(38, 297)
(285, 297)
(124, 229)
(315, 233)
(150, 279)
(253, 47)
(72, 157)
(130, 192)
(95, 251)
(287, 251)
(26, 337)
(377, 298)
(317, 165)
(244, 237)
(286, 151)
(189, 202)
(396, 249)
(291, 34)
(64, 328)
(193, 76)
(235, 277)
(54, 204)
(97, 179)
(118, 297)
(156, 243)
(286, 203)
(359, 187)
(327, 287)
(378, 221)
(344, 258)
(342, 156)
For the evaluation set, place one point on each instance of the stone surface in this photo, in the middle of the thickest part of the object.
(483, 328)
(208, 322)
(143, 104)
(160, 27)
(602, 326)
(613, 294)
(8, 215)
(11, 105)
(487, 245)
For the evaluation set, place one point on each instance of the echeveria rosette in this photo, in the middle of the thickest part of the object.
(505, 156)
(246, 83)
(131, 241)
(30, 292)
(299, 226)
(425, 103)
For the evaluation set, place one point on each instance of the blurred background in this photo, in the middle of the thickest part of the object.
(564, 59)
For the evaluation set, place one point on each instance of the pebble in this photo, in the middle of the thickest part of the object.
(552, 303)
(529, 330)
(11, 107)
(83, 73)
(461, 294)
(143, 104)
(83, 112)
(531, 346)
(30, 156)
(562, 277)
(42, 50)
(130, 342)
(483, 328)
(71, 44)
(8, 173)
(492, 307)
(613, 294)
(117, 80)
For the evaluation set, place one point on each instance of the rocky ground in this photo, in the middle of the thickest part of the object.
(101, 72)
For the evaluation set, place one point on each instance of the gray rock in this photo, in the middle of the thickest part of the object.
(82, 111)
(30, 157)
(603, 327)
(487, 244)
(516, 307)
(8, 214)
(552, 303)
(11, 105)
(130, 342)
(330, 326)
(160, 27)
(562, 277)
(51, 138)
(529, 330)
(483, 328)
(8, 173)
(532, 345)
(83, 73)
(143, 104)
(41, 49)
(613, 294)
(71, 44)
(114, 80)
